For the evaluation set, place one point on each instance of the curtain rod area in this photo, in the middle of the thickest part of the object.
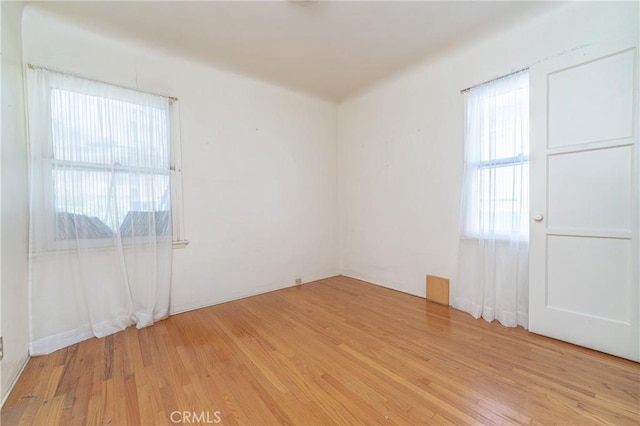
(33, 66)
(494, 79)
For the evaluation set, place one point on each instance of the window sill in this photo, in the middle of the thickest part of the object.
(497, 237)
(180, 244)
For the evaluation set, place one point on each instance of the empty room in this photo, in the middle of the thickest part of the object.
(320, 212)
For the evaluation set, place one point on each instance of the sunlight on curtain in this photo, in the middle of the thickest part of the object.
(493, 269)
(100, 229)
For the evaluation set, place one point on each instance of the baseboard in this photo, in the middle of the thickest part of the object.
(308, 279)
(15, 380)
(371, 281)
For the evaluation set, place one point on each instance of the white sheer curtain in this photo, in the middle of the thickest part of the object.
(100, 226)
(493, 265)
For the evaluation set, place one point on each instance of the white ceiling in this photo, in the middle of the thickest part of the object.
(328, 49)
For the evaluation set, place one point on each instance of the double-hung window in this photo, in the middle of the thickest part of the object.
(107, 163)
(496, 184)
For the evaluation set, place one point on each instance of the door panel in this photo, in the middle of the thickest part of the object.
(605, 86)
(580, 282)
(583, 281)
(590, 190)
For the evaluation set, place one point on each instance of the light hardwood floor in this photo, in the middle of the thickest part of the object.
(337, 351)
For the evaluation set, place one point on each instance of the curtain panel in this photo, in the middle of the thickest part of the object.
(493, 264)
(100, 249)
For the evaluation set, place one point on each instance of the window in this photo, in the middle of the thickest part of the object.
(109, 162)
(496, 184)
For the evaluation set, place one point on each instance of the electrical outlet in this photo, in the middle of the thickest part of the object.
(298, 281)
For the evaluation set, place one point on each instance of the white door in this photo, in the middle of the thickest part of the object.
(583, 283)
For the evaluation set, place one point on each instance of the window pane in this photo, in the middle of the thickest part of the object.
(108, 131)
(97, 204)
(503, 199)
(505, 129)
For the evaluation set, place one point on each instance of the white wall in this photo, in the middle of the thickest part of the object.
(259, 168)
(401, 146)
(14, 203)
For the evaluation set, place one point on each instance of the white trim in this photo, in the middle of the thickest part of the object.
(175, 180)
(357, 276)
(180, 244)
(497, 237)
(307, 279)
(101, 246)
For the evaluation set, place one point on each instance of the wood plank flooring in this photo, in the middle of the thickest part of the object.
(337, 351)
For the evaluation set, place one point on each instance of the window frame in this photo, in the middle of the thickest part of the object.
(475, 167)
(50, 164)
